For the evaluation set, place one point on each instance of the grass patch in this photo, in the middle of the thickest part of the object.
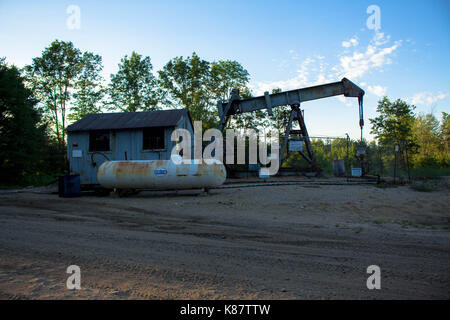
(424, 186)
(381, 185)
(385, 185)
(382, 221)
(406, 223)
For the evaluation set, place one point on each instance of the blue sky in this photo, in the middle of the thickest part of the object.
(287, 44)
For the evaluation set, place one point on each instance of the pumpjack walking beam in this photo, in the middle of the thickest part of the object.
(292, 98)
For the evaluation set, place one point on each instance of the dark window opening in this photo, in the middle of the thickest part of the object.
(99, 140)
(153, 138)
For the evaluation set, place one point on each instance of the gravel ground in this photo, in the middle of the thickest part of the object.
(280, 242)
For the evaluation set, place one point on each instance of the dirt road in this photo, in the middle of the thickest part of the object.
(281, 242)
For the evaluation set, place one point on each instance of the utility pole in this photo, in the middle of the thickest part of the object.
(346, 160)
(407, 162)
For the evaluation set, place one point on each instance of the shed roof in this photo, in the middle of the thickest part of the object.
(129, 120)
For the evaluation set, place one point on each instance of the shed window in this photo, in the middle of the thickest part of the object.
(99, 140)
(153, 138)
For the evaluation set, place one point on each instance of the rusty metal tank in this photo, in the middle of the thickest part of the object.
(161, 174)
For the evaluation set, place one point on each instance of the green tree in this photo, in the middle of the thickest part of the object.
(89, 91)
(197, 85)
(225, 76)
(134, 87)
(445, 130)
(444, 135)
(280, 117)
(22, 133)
(52, 77)
(445, 138)
(185, 83)
(394, 126)
(426, 131)
(394, 123)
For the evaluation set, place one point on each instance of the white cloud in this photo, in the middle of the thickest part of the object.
(379, 39)
(345, 100)
(300, 80)
(294, 54)
(353, 65)
(312, 71)
(357, 64)
(427, 98)
(377, 90)
(353, 42)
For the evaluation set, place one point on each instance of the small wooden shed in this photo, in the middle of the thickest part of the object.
(122, 136)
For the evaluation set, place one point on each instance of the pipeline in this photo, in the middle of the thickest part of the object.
(267, 184)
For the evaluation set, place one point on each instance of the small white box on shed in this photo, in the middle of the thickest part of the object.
(356, 172)
(295, 145)
(77, 153)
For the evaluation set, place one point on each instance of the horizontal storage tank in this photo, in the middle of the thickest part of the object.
(160, 174)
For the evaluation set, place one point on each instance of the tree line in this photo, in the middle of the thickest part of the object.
(404, 140)
(69, 85)
(65, 84)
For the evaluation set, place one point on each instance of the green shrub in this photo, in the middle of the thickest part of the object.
(429, 173)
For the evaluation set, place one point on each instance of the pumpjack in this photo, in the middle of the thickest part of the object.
(293, 98)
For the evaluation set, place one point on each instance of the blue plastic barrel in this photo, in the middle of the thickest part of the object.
(69, 186)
